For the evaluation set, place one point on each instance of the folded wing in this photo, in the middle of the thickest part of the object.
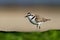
(41, 19)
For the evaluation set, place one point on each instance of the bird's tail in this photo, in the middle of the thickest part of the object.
(48, 19)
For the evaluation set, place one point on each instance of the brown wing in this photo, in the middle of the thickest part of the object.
(38, 18)
(41, 19)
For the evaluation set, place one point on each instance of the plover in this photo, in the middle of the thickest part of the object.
(34, 19)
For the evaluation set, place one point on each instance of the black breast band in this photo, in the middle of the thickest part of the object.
(33, 18)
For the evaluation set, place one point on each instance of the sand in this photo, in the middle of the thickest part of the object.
(13, 18)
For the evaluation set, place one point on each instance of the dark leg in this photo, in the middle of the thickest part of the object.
(39, 27)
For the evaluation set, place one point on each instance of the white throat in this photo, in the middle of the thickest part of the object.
(30, 17)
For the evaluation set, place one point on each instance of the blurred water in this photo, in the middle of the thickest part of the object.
(30, 2)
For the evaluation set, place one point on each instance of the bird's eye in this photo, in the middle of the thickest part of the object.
(29, 13)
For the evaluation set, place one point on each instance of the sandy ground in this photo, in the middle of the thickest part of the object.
(13, 18)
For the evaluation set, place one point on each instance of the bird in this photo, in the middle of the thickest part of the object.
(34, 19)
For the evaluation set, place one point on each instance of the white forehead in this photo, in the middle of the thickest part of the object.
(30, 16)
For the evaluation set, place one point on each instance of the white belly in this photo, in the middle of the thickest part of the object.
(33, 20)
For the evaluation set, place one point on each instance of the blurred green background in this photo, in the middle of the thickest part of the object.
(48, 35)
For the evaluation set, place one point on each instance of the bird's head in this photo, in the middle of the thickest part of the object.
(28, 14)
